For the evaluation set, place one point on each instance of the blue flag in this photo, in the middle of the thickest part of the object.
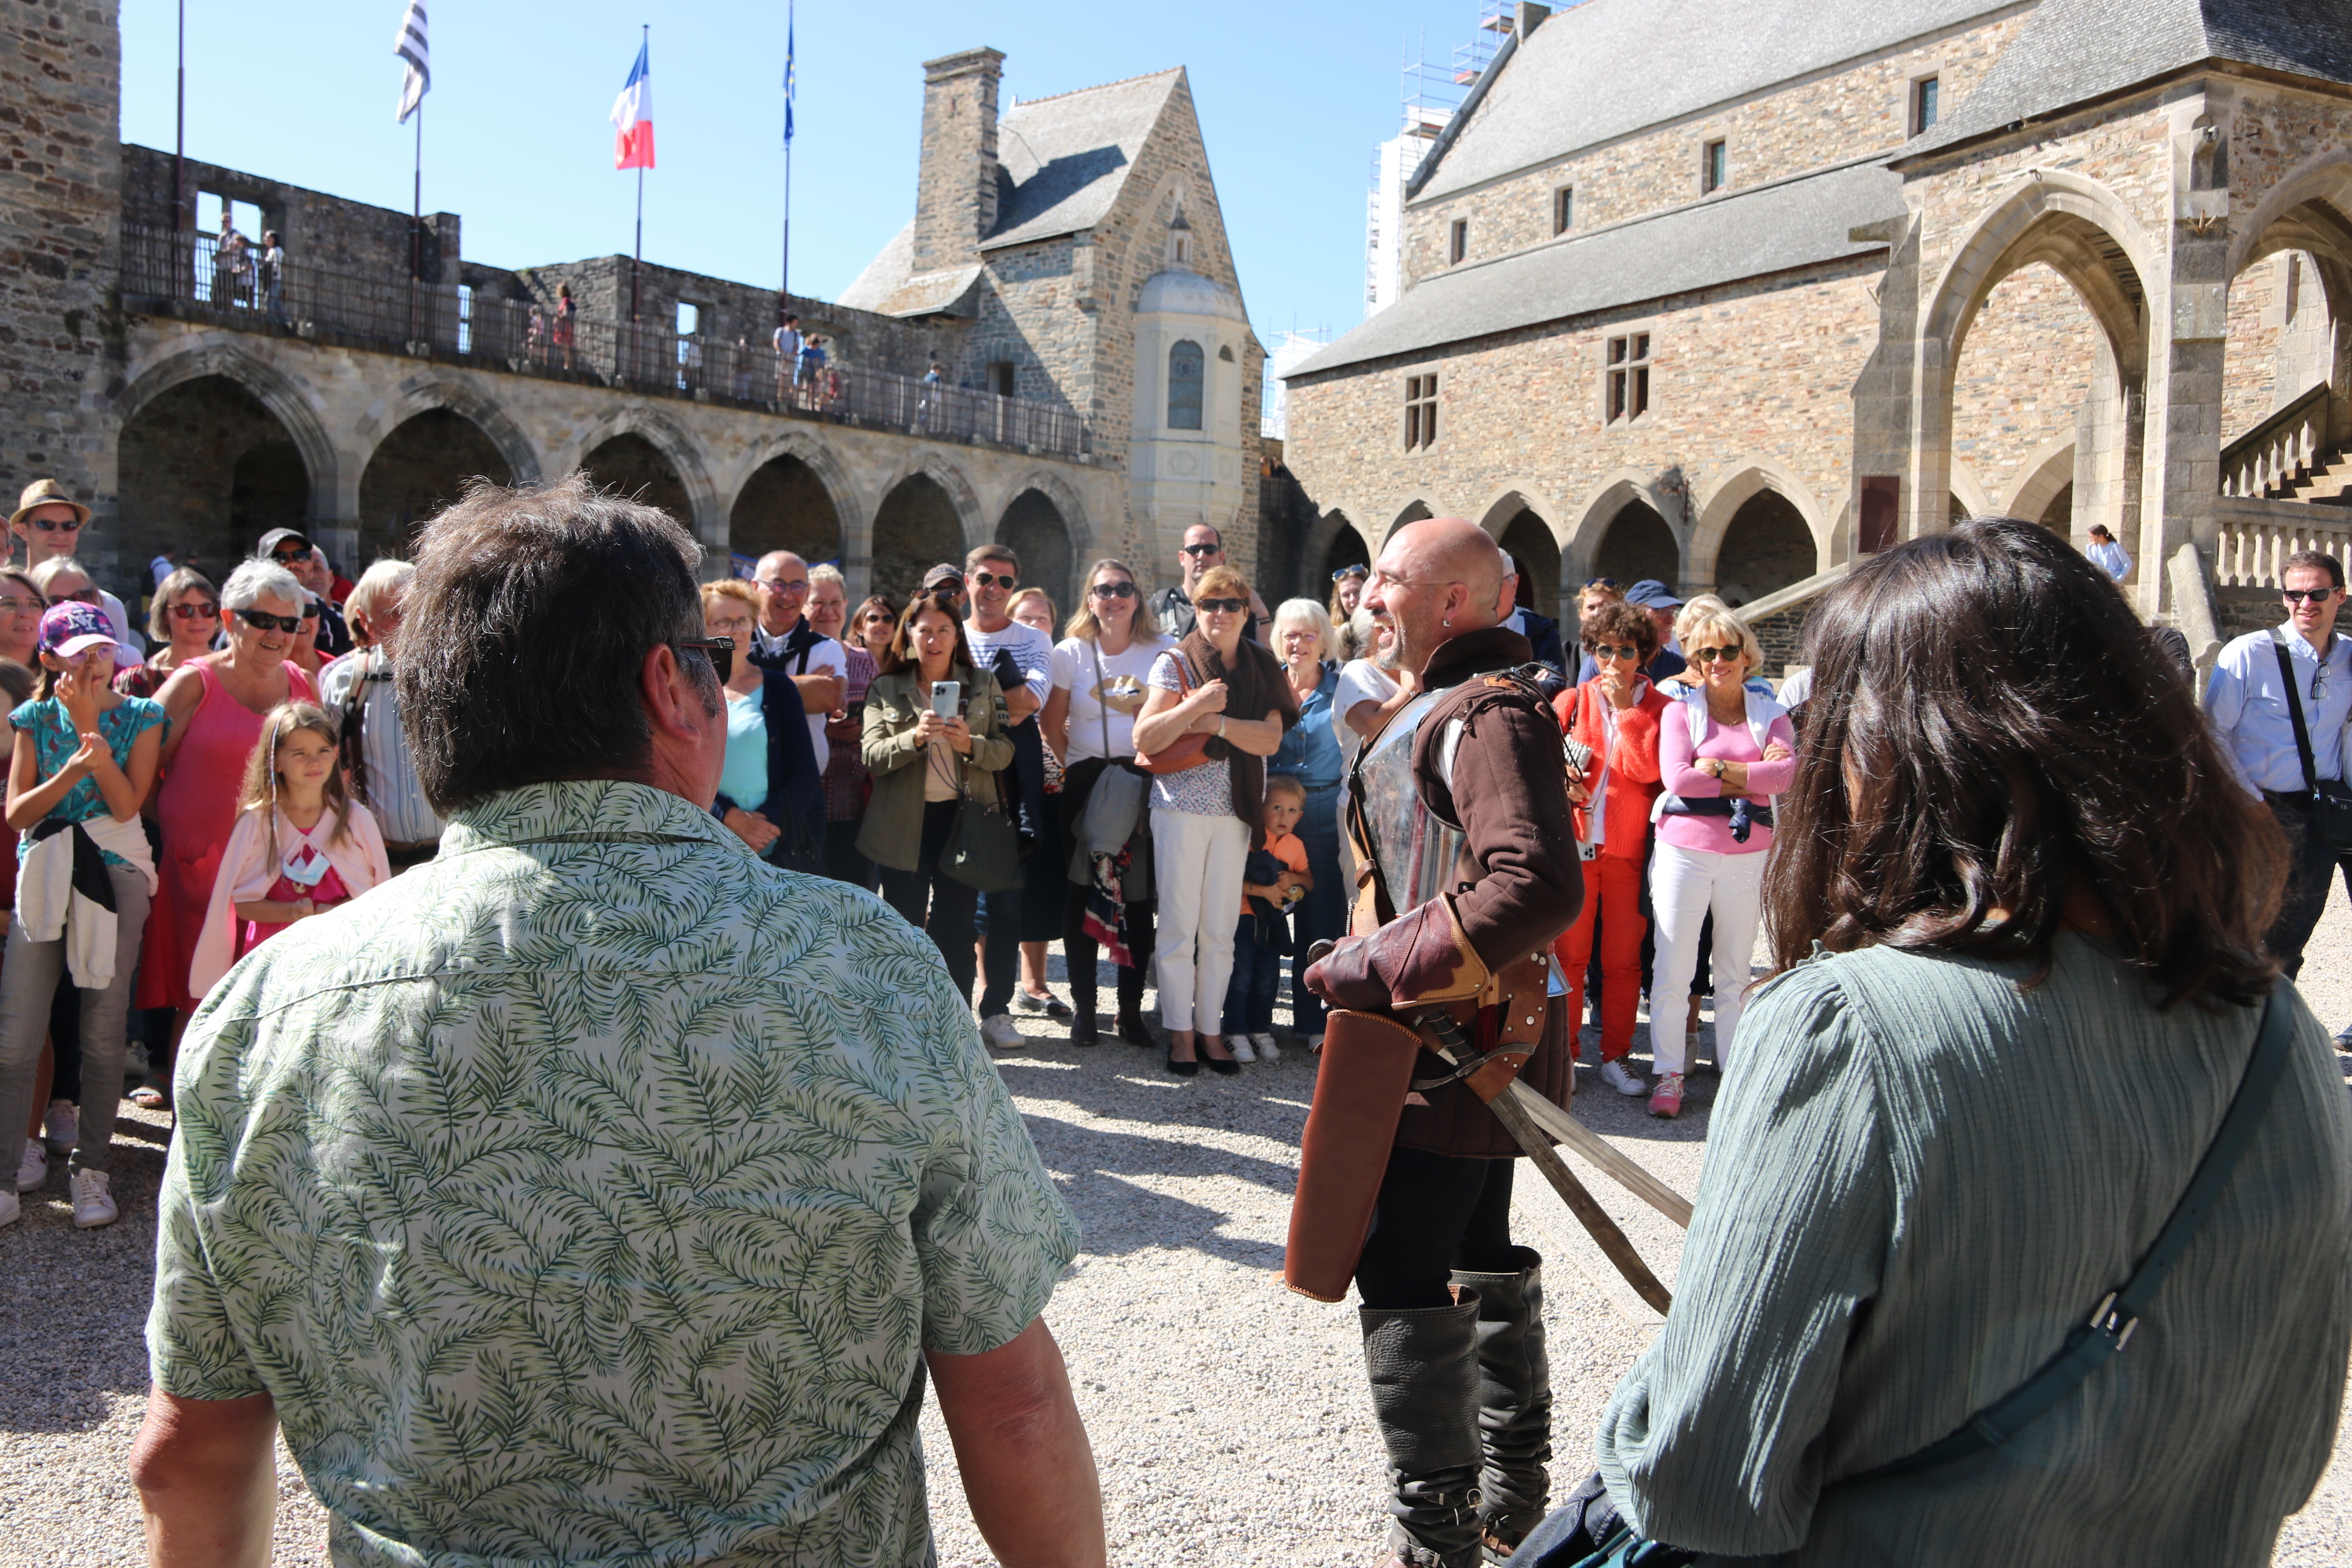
(788, 83)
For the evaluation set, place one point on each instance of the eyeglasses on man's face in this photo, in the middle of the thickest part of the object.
(993, 580)
(1197, 551)
(2316, 595)
(784, 584)
(56, 524)
(290, 557)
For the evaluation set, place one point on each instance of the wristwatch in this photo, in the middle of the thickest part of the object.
(1220, 726)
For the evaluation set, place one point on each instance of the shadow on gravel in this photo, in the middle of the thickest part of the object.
(1118, 1217)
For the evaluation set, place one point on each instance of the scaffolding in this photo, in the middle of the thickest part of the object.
(1433, 92)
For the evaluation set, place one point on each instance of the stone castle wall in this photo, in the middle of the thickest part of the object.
(317, 229)
(2022, 377)
(1785, 132)
(60, 191)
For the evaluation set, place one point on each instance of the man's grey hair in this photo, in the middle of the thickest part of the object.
(254, 581)
(525, 632)
(378, 586)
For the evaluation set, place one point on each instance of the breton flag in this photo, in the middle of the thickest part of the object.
(410, 47)
(633, 117)
(790, 83)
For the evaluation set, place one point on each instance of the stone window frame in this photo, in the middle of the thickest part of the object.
(1421, 411)
(1915, 118)
(1563, 208)
(1197, 405)
(1713, 165)
(1628, 387)
(1457, 242)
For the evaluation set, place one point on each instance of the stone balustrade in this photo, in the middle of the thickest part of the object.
(2256, 536)
(2274, 453)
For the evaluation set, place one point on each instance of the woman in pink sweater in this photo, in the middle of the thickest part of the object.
(1723, 751)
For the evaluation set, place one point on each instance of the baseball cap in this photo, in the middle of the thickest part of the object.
(278, 536)
(74, 628)
(1652, 594)
(942, 575)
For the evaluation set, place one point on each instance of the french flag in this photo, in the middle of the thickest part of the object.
(633, 117)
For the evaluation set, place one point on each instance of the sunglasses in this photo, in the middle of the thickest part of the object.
(80, 596)
(186, 612)
(2297, 596)
(1603, 650)
(1344, 572)
(51, 525)
(719, 651)
(994, 580)
(1114, 590)
(1601, 581)
(1732, 655)
(1221, 606)
(1199, 550)
(285, 558)
(261, 621)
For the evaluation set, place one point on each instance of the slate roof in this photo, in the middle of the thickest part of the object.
(1061, 163)
(2074, 51)
(1607, 68)
(1746, 234)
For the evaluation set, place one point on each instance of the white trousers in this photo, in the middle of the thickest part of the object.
(1199, 862)
(1684, 883)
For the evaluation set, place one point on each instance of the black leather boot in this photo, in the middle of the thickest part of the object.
(1423, 1365)
(1514, 1400)
(1084, 1029)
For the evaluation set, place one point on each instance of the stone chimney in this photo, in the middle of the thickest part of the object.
(955, 192)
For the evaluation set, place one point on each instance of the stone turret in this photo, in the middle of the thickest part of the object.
(955, 191)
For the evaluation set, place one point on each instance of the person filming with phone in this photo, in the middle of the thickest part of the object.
(931, 722)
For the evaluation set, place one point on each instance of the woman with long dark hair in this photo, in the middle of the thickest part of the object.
(2040, 896)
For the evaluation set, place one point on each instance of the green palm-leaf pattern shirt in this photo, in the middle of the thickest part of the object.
(589, 1194)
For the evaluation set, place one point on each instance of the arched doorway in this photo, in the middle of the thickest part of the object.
(1766, 547)
(635, 468)
(2059, 515)
(206, 469)
(418, 470)
(1034, 528)
(1529, 541)
(2024, 377)
(786, 506)
(1638, 544)
(1346, 550)
(915, 528)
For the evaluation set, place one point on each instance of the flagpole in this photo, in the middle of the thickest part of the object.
(785, 290)
(637, 262)
(416, 224)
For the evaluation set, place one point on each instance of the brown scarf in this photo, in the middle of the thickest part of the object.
(1253, 684)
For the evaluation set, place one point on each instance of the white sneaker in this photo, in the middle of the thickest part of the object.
(34, 1169)
(999, 1032)
(62, 1126)
(1314, 1043)
(92, 1204)
(1242, 1050)
(1624, 1078)
(1268, 1051)
(9, 1207)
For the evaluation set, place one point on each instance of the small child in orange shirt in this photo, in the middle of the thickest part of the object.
(1274, 881)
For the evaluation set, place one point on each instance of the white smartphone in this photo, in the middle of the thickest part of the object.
(945, 695)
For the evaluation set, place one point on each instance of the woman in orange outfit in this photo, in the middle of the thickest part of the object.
(1616, 715)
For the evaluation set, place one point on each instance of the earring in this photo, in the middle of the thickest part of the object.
(1449, 623)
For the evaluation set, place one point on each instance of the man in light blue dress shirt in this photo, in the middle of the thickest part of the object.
(2249, 704)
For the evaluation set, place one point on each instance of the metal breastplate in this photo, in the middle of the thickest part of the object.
(1416, 854)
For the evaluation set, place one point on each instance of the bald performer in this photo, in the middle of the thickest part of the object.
(1461, 801)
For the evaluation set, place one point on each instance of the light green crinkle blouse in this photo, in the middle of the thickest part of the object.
(1918, 1180)
(589, 1195)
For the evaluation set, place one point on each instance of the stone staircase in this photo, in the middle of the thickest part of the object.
(2325, 481)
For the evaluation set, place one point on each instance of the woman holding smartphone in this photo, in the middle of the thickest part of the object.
(931, 722)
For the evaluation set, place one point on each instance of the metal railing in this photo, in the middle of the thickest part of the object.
(190, 275)
(2275, 452)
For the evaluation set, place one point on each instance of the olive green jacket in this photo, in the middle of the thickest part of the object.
(895, 704)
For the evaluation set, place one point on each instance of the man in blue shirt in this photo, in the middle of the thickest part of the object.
(2252, 709)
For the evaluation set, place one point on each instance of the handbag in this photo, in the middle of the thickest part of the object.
(983, 849)
(1587, 1532)
(1186, 751)
(2331, 801)
(1115, 799)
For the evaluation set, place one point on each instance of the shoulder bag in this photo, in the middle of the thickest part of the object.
(983, 850)
(1117, 801)
(2331, 800)
(1569, 1536)
(1185, 751)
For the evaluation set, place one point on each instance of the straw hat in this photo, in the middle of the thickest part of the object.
(46, 492)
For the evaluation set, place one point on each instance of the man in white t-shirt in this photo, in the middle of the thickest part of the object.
(1023, 660)
(787, 340)
(783, 643)
(50, 522)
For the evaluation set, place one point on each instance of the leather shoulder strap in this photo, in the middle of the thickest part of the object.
(2295, 711)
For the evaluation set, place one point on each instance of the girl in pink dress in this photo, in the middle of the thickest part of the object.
(299, 848)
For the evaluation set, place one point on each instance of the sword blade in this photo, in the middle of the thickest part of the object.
(1601, 1155)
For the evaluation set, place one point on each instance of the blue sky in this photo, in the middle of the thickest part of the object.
(1291, 101)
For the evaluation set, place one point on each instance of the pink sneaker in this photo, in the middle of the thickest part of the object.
(1667, 1100)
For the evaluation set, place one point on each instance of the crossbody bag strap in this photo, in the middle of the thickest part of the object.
(1102, 703)
(2093, 1344)
(2295, 711)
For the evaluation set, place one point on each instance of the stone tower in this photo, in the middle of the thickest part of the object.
(955, 198)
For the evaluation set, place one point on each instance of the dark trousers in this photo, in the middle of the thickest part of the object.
(934, 902)
(1257, 976)
(1030, 912)
(1435, 1213)
(843, 863)
(1081, 950)
(1323, 913)
(2310, 864)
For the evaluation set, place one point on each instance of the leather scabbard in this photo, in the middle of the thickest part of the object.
(1359, 1088)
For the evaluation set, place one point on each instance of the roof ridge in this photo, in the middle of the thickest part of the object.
(1098, 87)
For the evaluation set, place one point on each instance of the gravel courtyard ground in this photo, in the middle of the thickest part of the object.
(1228, 1416)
